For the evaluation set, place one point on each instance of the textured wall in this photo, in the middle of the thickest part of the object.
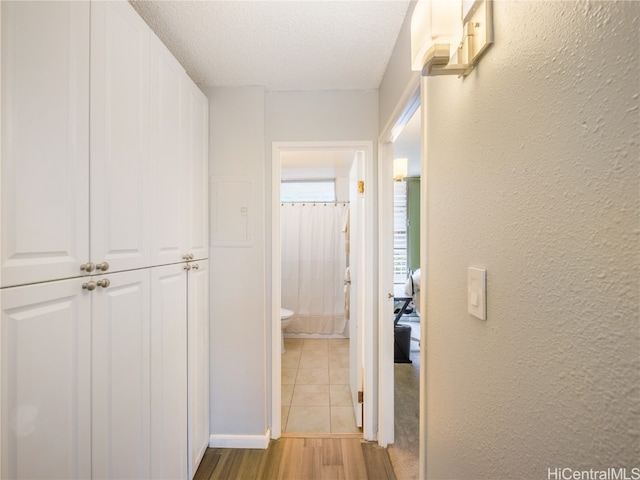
(533, 174)
(238, 290)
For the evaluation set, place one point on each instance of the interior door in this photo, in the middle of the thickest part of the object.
(386, 293)
(356, 302)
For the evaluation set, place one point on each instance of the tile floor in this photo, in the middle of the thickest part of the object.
(316, 397)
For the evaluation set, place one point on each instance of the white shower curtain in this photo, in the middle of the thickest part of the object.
(313, 265)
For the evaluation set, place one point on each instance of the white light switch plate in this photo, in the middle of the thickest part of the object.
(477, 292)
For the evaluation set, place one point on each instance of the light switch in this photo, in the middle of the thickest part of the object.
(477, 292)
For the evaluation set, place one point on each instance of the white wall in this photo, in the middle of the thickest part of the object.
(533, 174)
(397, 75)
(238, 290)
(244, 122)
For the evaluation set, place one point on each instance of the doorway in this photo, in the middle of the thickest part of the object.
(408, 104)
(355, 338)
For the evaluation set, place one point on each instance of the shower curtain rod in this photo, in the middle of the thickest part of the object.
(314, 204)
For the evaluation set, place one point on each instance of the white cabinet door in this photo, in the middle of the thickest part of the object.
(119, 136)
(169, 166)
(45, 140)
(46, 391)
(196, 147)
(120, 376)
(198, 362)
(169, 372)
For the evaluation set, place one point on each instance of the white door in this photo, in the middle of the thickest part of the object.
(169, 371)
(198, 362)
(46, 391)
(386, 294)
(119, 136)
(357, 265)
(120, 376)
(45, 140)
(169, 164)
(196, 147)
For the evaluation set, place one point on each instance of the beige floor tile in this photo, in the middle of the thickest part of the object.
(340, 395)
(287, 393)
(343, 420)
(337, 360)
(314, 360)
(339, 376)
(289, 375)
(318, 345)
(284, 417)
(309, 420)
(338, 344)
(293, 344)
(290, 359)
(310, 396)
(312, 376)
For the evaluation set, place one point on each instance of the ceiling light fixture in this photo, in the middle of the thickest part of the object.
(437, 27)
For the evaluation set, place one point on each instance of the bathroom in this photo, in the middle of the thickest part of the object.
(315, 292)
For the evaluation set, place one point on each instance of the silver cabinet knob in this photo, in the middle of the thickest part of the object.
(89, 286)
(187, 267)
(191, 256)
(196, 266)
(104, 266)
(104, 283)
(87, 267)
(188, 256)
(390, 295)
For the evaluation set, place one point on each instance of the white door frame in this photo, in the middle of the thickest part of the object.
(370, 345)
(402, 113)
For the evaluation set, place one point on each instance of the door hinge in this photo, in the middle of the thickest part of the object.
(361, 186)
(360, 397)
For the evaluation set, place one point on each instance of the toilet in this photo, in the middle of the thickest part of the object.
(285, 319)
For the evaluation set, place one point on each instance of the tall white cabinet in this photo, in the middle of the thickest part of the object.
(103, 263)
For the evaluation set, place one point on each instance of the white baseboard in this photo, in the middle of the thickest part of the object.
(240, 441)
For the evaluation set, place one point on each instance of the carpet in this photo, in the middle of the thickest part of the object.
(404, 452)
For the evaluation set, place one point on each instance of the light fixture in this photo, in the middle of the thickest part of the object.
(400, 167)
(448, 37)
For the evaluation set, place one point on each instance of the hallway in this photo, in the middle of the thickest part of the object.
(299, 458)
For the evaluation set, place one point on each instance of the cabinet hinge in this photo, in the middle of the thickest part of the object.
(360, 397)
(361, 186)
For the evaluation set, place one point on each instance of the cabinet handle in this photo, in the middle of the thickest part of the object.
(104, 266)
(187, 256)
(87, 267)
(104, 283)
(191, 256)
(187, 267)
(196, 266)
(89, 286)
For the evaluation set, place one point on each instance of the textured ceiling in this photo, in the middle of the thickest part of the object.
(281, 45)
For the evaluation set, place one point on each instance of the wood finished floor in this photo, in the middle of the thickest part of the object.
(299, 459)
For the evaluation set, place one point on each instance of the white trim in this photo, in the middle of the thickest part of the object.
(424, 249)
(370, 348)
(240, 441)
(407, 105)
(386, 415)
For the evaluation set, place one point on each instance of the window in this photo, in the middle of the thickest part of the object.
(308, 191)
(400, 262)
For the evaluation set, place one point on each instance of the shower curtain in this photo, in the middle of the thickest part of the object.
(313, 266)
